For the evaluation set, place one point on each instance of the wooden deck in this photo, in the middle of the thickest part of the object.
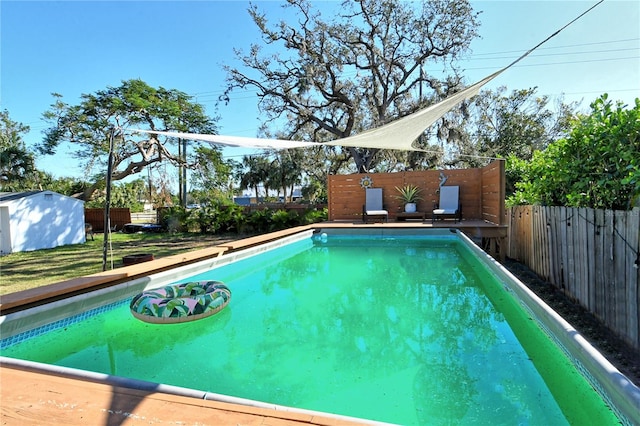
(31, 397)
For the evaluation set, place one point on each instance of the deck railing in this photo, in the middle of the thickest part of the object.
(591, 255)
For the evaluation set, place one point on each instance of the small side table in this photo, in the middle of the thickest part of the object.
(407, 216)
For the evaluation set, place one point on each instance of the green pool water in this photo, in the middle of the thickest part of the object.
(413, 331)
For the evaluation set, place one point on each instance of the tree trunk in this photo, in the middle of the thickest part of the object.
(363, 158)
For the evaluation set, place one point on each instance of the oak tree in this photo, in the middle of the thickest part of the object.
(358, 69)
(88, 127)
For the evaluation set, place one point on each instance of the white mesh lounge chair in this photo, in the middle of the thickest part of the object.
(449, 204)
(373, 205)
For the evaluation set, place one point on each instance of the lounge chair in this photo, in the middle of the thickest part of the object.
(373, 205)
(449, 204)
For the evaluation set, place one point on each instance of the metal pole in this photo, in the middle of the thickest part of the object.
(180, 166)
(184, 173)
(107, 202)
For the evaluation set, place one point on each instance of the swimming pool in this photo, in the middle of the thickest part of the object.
(320, 322)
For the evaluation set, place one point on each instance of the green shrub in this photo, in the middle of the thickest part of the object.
(203, 220)
(230, 218)
(596, 166)
(314, 216)
(259, 221)
(174, 219)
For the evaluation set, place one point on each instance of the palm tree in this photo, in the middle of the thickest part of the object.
(290, 171)
(255, 173)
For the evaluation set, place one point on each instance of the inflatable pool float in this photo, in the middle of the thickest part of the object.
(180, 302)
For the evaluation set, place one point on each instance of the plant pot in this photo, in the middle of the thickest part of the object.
(410, 208)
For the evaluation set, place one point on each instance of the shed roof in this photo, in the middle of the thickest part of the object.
(9, 196)
(6, 197)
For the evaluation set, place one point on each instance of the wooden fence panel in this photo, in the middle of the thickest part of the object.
(493, 192)
(527, 230)
(590, 232)
(599, 262)
(478, 199)
(144, 217)
(524, 232)
(633, 277)
(535, 238)
(553, 247)
(609, 269)
(582, 257)
(564, 267)
(118, 216)
(620, 270)
(577, 260)
(346, 197)
(514, 243)
(591, 255)
(540, 239)
(574, 253)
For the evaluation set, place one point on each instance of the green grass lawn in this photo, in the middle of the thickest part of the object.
(24, 270)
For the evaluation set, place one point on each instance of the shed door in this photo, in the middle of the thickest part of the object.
(5, 231)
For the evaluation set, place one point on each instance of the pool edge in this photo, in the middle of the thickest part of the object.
(614, 382)
(601, 369)
(63, 397)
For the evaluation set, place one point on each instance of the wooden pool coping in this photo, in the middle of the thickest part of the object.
(30, 397)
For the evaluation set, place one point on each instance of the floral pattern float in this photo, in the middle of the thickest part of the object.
(180, 302)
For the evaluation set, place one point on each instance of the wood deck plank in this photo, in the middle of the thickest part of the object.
(76, 285)
(31, 398)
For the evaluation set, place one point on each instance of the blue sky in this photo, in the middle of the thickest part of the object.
(75, 47)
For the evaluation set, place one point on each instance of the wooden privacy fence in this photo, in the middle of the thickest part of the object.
(591, 255)
(118, 216)
(144, 217)
(481, 192)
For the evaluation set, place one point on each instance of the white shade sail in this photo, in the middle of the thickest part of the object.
(402, 133)
(399, 134)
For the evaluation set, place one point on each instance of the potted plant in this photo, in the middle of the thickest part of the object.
(409, 194)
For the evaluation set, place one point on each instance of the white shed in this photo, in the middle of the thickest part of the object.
(38, 220)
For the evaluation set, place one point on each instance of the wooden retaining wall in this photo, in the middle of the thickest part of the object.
(591, 255)
(481, 192)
